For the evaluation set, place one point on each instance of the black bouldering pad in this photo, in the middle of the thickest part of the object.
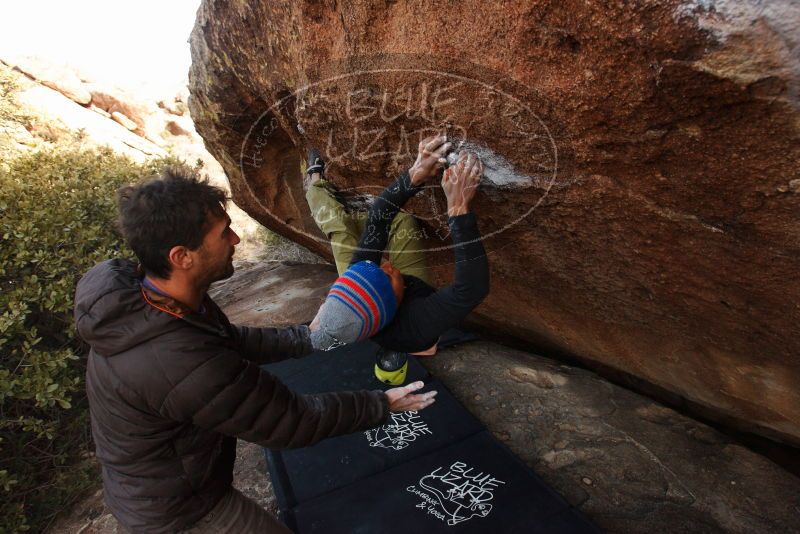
(306, 473)
(473, 486)
(454, 478)
(342, 369)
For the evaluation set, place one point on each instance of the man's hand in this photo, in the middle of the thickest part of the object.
(430, 158)
(402, 400)
(460, 183)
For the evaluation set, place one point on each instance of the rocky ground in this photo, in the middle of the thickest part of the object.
(632, 465)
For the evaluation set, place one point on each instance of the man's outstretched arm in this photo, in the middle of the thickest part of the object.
(233, 396)
(430, 158)
(268, 344)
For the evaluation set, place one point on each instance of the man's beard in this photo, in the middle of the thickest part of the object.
(229, 268)
(222, 272)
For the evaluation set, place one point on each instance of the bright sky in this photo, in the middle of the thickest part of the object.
(141, 45)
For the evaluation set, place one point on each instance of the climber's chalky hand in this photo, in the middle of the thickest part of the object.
(430, 159)
(460, 182)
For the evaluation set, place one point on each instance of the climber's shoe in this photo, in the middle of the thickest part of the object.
(391, 367)
(314, 165)
(315, 162)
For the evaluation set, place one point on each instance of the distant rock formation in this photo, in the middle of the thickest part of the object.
(638, 208)
(155, 123)
(55, 119)
(57, 77)
(113, 117)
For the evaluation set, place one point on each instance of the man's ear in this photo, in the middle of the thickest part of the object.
(180, 258)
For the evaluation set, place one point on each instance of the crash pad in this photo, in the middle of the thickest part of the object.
(437, 470)
(309, 472)
(473, 486)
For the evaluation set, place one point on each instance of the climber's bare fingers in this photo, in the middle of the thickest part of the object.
(477, 172)
(430, 145)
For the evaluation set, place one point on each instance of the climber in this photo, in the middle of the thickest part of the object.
(171, 383)
(391, 302)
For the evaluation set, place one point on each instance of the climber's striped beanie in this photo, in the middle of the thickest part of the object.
(359, 304)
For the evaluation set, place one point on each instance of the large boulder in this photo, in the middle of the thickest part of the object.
(638, 203)
(115, 100)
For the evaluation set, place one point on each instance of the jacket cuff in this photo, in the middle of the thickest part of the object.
(305, 337)
(384, 406)
(405, 182)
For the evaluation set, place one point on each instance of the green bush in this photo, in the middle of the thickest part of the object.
(12, 118)
(9, 110)
(57, 211)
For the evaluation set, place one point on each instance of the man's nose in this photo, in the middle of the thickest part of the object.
(235, 240)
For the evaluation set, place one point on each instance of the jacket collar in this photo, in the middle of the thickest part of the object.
(213, 320)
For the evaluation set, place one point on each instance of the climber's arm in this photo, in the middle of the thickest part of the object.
(430, 158)
(446, 308)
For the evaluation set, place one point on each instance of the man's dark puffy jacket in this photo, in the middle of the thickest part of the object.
(170, 390)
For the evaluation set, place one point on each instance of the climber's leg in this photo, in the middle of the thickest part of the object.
(341, 228)
(406, 249)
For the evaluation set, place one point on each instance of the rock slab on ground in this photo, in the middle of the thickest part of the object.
(639, 211)
(274, 293)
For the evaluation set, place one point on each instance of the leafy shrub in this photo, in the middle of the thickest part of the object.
(9, 110)
(57, 212)
(12, 118)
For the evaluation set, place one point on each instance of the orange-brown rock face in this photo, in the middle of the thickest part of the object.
(641, 204)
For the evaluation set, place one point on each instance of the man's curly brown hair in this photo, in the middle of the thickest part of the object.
(176, 208)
